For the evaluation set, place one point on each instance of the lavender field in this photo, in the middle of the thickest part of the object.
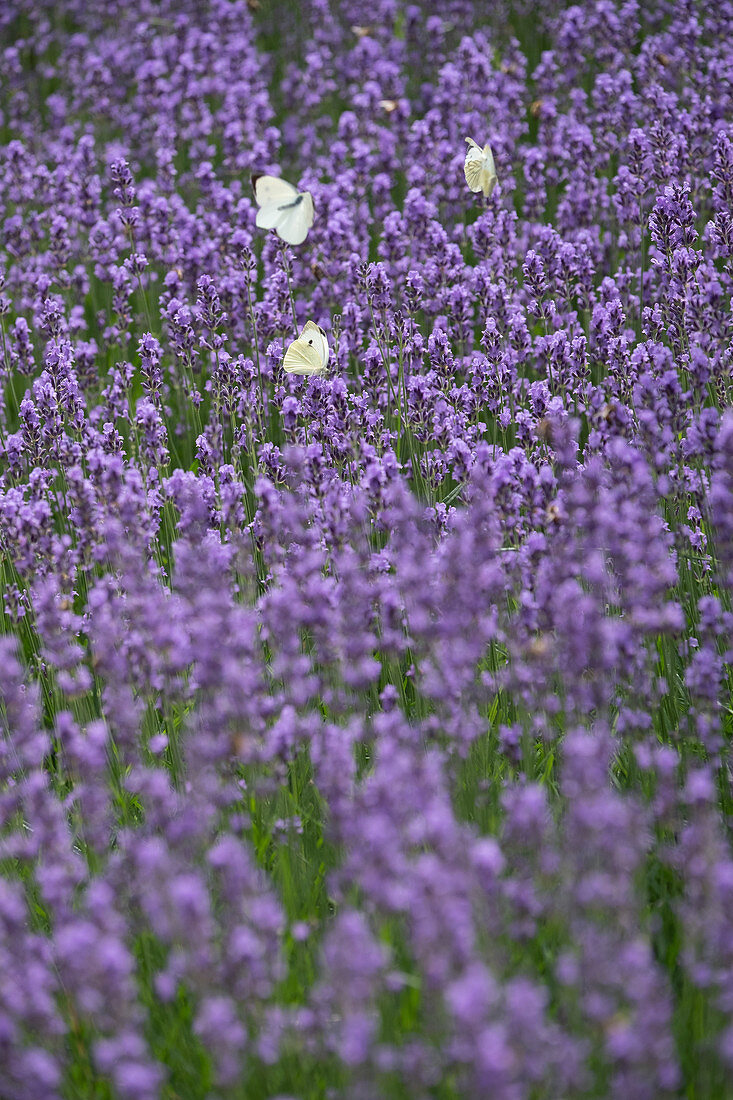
(366, 732)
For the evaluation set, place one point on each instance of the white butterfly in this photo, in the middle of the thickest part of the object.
(479, 168)
(283, 208)
(309, 353)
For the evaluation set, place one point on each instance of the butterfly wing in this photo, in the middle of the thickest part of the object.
(473, 168)
(273, 191)
(488, 174)
(315, 337)
(268, 217)
(325, 349)
(488, 182)
(489, 160)
(302, 358)
(479, 168)
(296, 219)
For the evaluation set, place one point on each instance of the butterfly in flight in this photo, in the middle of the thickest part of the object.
(309, 353)
(283, 208)
(479, 168)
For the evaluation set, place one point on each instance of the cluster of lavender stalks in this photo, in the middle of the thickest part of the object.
(366, 735)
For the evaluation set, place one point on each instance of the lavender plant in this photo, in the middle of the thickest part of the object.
(365, 705)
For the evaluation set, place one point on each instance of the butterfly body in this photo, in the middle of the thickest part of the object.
(309, 353)
(283, 208)
(479, 168)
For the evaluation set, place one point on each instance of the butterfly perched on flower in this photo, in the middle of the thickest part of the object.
(479, 168)
(309, 353)
(283, 208)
